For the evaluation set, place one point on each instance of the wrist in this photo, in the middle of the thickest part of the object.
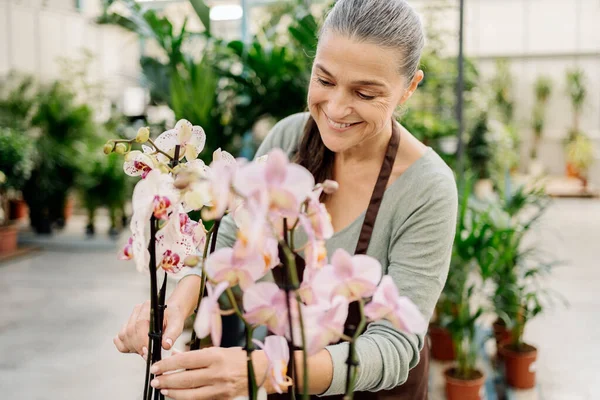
(185, 295)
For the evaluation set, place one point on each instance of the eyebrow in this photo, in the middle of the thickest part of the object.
(358, 83)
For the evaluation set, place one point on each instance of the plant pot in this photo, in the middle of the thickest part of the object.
(18, 210)
(484, 189)
(536, 168)
(442, 348)
(520, 365)
(69, 204)
(461, 389)
(8, 238)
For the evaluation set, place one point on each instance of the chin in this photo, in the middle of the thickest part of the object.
(335, 140)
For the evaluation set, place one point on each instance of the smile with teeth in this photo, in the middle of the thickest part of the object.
(338, 125)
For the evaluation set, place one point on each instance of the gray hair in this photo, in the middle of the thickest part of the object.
(391, 24)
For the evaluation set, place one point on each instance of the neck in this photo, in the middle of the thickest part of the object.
(369, 150)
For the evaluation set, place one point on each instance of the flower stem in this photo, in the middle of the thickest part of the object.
(252, 388)
(212, 233)
(160, 151)
(352, 362)
(304, 355)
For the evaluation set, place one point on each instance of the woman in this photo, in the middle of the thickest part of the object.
(396, 201)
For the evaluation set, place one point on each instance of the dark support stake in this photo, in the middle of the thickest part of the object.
(460, 87)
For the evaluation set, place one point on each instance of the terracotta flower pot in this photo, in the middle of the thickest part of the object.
(460, 389)
(442, 348)
(18, 210)
(519, 365)
(8, 239)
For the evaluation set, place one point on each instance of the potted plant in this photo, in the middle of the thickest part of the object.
(543, 90)
(518, 296)
(63, 127)
(479, 153)
(580, 156)
(577, 92)
(16, 163)
(464, 381)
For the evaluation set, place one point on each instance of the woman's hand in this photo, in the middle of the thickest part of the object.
(208, 374)
(133, 337)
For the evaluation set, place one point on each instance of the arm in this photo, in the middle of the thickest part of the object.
(419, 257)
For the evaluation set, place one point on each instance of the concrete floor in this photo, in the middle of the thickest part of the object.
(60, 311)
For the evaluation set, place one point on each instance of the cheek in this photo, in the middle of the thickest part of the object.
(316, 94)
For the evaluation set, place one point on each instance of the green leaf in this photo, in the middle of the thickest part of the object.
(203, 12)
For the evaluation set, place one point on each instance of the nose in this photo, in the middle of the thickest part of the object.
(338, 106)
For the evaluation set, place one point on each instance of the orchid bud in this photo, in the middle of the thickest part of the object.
(121, 148)
(191, 261)
(183, 180)
(109, 147)
(143, 134)
(330, 187)
(2, 177)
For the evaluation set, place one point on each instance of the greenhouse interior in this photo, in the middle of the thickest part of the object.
(212, 165)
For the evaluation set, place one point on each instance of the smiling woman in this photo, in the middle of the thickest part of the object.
(396, 202)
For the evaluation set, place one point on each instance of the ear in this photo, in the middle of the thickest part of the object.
(412, 87)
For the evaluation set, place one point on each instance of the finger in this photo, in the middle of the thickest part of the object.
(203, 393)
(122, 336)
(142, 324)
(120, 345)
(191, 379)
(174, 321)
(130, 329)
(189, 360)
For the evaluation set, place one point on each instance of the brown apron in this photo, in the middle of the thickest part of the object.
(416, 386)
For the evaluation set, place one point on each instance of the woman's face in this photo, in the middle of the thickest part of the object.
(354, 90)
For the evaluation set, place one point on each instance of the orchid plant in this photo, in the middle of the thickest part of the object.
(269, 199)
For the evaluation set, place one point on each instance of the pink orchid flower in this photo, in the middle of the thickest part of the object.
(253, 234)
(278, 355)
(353, 277)
(399, 310)
(265, 304)
(190, 138)
(219, 176)
(316, 221)
(286, 184)
(138, 164)
(223, 265)
(127, 252)
(323, 324)
(208, 319)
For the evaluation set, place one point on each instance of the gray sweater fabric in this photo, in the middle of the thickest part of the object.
(412, 240)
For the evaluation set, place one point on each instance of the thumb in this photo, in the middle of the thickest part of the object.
(174, 321)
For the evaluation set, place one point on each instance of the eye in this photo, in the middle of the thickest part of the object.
(364, 96)
(324, 82)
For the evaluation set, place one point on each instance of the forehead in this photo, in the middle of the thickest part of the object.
(350, 59)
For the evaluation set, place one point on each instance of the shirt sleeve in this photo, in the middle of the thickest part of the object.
(419, 257)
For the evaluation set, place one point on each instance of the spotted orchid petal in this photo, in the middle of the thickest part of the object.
(138, 164)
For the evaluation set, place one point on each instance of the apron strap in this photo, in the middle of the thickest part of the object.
(384, 175)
